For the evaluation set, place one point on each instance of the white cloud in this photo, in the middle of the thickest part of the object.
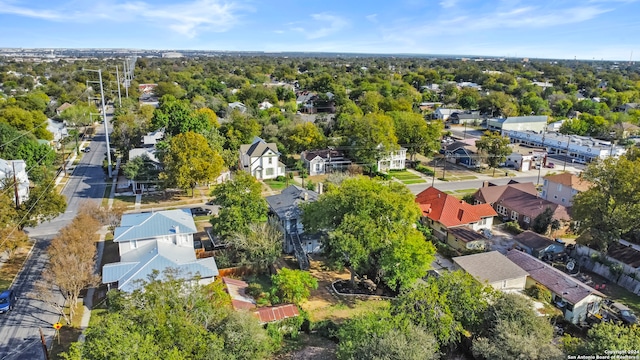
(448, 3)
(373, 18)
(326, 25)
(188, 18)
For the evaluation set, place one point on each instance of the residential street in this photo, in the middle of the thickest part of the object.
(19, 335)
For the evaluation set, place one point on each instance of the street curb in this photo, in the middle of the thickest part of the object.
(22, 265)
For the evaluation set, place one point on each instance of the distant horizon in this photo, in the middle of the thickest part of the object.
(542, 29)
(311, 53)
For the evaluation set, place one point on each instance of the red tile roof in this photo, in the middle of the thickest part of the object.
(276, 313)
(449, 210)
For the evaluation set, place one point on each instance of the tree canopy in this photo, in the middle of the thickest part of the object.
(370, 230)
(495, 147)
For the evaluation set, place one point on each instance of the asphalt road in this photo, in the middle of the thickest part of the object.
(19, 335)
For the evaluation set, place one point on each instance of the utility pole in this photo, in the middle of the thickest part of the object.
(540, 163)
(126, 83)
(118, 81)
(104, 118)
(444, 167)
(15, 185)
(566, 155)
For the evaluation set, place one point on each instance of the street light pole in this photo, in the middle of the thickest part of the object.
(104, 118)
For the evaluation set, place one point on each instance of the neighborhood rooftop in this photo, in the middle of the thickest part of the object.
(571, 180)
(449, 210)
(533, 240)
(555, 280)
(287, 204)
(500, 267)
(154, 224)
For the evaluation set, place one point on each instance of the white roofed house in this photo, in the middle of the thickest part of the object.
(156, 241)
(261, 159)
(7, 170)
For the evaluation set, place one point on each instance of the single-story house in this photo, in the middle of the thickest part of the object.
(576, 299)
(525, 158)
(494, 269)
(156, 241)
(465, 117)
(444, 114)
(58, 129)
(518, 123)
(535, 244)
(442, 212)
(624, 130)
(236, 105)
(463, 152)
(519, 202)
(319, 162)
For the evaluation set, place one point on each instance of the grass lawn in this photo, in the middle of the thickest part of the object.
(275, 185)
(107, 193)
(10, 269)
(622, 295)
(462, 192)
(416, 181)
(403, 175)
(346, 308)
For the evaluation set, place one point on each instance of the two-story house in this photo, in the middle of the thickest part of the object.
(286, 207)
(319, 162)
(453, 220)
(261, 159)
(156, 241)
(519, 202)
(15, 169)
(393, 160)
(561, 188)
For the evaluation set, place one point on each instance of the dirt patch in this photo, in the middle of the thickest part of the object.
(311, 347)
(322, 297)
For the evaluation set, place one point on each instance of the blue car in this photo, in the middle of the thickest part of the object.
(7, 301)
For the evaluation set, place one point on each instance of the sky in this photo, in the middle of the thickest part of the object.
(562, 29)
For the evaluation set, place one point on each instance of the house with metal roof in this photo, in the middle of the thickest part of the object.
(443, 212)
(155, 242)
(576, 299)
(287, 208)
(494, 269)
(518, 123)
(261, 159)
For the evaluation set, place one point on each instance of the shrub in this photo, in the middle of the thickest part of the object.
(254, 290)
(445, 250)
(280, 178)
(310, 185)
(539, 292)
(513, 227)
(425, 170)
(383, 176)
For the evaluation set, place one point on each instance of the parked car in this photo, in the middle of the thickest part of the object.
(7, 301)
(199, 211)
(86, 149)
(623, 313)
(551, 165)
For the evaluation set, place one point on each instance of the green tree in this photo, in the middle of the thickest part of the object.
(79, 114)
(33, 121)
(44, 204)
(173, 319)
(241, 203)
(415, 134)
(303, 136)
(380, 335)
(541, 222)
(512, 330)
(293, 286)
(190, 161)
(495, 147)
(606, 336)
(370, 137)
(611, 206)
(261, 245)
(370, 231)
(141, 169)
(176, 117)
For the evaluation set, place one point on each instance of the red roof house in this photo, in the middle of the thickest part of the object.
(241, 301)
(442, 211)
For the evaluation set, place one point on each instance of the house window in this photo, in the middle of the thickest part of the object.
(317, 167)
(544, 194)
(501, 210)
(270, 160)
(527, 219)
(514, 215)
(559, 187)
(555, 196)
(269, 171)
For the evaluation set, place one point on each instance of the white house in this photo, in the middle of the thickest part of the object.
(444, 114)
(238, 106)
(524, 158)
(261, 159)
(265, 105)
(58, 129)
(7, 170)
(318, 162)
(494, 269)
(393, 160)
(156, 241)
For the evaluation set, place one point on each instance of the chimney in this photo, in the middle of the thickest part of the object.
(485, 184)
(176, 229)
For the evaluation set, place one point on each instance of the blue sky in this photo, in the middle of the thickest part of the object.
(585, 29)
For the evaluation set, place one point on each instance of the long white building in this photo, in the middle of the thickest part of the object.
(581, 148)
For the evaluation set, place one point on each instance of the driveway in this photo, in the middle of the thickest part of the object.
(501, 240)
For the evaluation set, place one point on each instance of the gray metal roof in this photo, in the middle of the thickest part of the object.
(258, 147)
(527, 119)
(137, 265)
(286, 205)
(154, 224)
(490, 267)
